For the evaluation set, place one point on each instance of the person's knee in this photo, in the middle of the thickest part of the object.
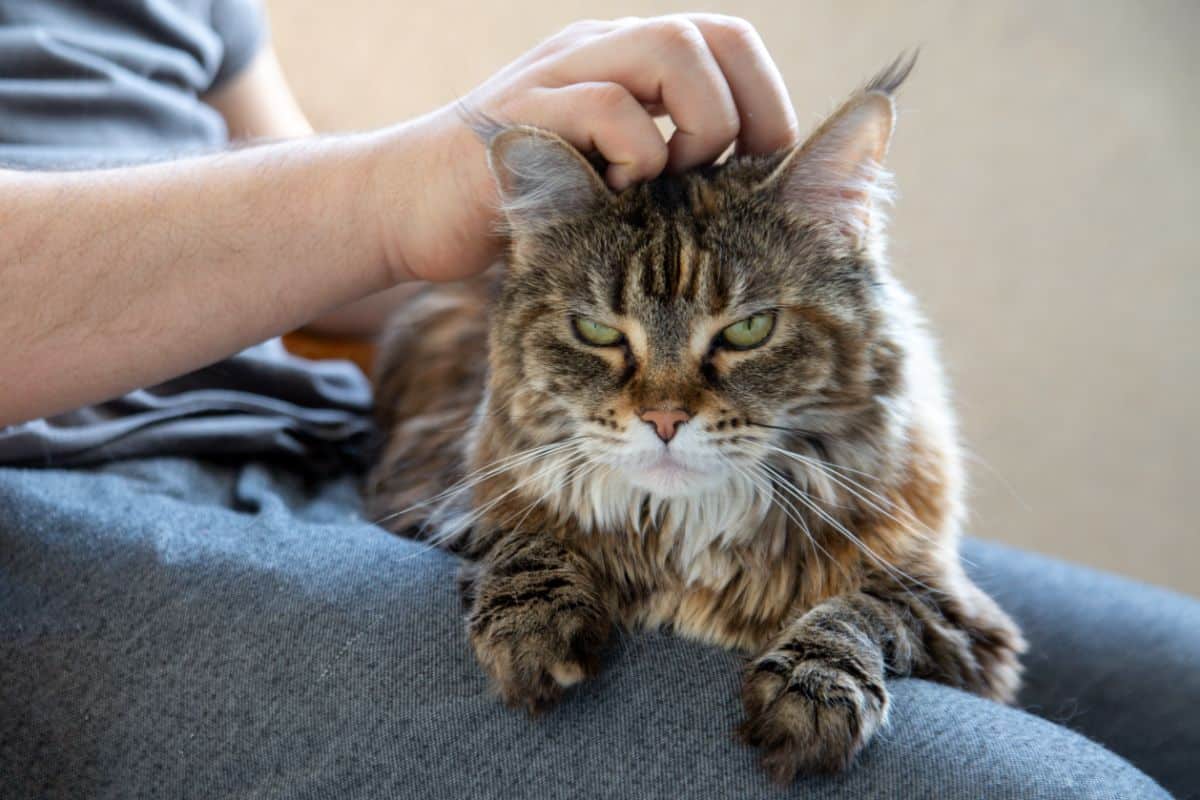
(952, 745)
(1088, 632)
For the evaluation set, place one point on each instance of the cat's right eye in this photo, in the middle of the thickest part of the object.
(596, 333)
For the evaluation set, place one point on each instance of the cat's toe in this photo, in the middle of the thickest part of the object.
(532, 673)
(808, 717)
(533, 655)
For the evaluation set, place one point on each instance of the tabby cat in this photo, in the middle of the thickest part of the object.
(706, 404)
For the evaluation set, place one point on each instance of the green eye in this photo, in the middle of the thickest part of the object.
(750, 332)
(597, 334)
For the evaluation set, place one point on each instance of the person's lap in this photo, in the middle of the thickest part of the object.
(178, 629)
(1116, 660)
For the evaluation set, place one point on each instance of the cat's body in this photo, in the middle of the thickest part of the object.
(627, 452)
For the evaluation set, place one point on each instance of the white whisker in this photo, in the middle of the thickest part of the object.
(467, 520)
(575, 472)
(854, 487)
(484, 473)
(812, 505)
(796, 516)
(764, 485)
(911, 524)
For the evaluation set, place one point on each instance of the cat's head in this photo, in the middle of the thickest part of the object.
(675, 329)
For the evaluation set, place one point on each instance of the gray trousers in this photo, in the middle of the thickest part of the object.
(171, 628)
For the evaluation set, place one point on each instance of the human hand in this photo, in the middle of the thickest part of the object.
(599, 85)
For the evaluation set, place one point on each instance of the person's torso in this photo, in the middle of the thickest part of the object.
(114, 82)
(85, 84)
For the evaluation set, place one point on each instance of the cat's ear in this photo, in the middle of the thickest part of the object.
(542, 179)
(837, 178)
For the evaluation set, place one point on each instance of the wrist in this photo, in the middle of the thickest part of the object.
(433, 199)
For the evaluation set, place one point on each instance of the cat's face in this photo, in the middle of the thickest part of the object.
(676, 329)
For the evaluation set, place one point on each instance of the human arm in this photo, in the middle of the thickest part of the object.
(119, 279)
(258, 104)
(743, 93)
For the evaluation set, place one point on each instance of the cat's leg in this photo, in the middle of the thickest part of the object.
(815, 697)
(536, 620)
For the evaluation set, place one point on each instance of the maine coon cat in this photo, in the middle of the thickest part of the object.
(704, 403)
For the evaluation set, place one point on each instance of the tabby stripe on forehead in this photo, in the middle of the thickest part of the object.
(666, 264)
(670, 263)
(689, 256)
(701, 283)
(617, 299)
(637, 260)
(651, 279)
(716, 285)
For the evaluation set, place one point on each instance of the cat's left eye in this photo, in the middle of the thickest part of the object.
(748, 333)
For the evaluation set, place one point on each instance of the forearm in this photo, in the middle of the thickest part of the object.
(119, 279)
(258, 104)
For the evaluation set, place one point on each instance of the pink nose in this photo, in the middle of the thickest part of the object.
(665, 423)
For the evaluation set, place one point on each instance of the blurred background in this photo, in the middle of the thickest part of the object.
(1048, 164)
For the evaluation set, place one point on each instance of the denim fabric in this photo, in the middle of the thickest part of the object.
(1114, 659)
(176, 629)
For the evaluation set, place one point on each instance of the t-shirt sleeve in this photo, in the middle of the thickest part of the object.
(242, 26)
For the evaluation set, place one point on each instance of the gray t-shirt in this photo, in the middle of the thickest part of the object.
(90, 84)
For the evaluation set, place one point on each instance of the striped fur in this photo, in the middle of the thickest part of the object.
(806, 514)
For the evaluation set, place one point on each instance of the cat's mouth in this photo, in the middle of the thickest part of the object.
(668, 464)
(669, 474)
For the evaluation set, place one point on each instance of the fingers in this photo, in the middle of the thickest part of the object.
(663, 62)
(768, 121)
(599, 84)
(606, 118)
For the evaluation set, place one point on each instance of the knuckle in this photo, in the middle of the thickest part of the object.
(580, 27)
(570, 37)
(610, 96)
(679, 33)
(736, 33)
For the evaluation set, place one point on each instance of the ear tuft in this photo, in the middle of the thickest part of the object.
(890, 77)
(541, 178)
(837, 176)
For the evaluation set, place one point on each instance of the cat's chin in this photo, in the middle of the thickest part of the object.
(669, 477)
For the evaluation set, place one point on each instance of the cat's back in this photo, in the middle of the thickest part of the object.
(429, 380)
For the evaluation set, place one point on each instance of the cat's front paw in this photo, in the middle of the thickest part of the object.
(810, 714)
(535, 642)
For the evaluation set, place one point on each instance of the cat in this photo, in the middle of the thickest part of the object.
(705, 404)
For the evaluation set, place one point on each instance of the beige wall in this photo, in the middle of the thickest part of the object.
(1048, 163)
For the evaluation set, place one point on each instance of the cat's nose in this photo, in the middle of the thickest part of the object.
(666, 422)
